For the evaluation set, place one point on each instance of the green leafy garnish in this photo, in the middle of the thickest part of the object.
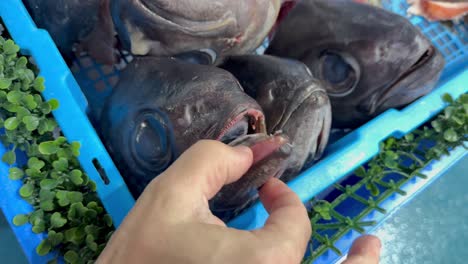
(20, 220)
(53, 180)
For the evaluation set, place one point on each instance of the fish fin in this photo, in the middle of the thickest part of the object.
(101, 43)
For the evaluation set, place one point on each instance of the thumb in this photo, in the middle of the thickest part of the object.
(365, 250)
(207, 166)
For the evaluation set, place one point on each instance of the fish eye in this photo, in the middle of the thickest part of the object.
(151, 142)
(340, 71)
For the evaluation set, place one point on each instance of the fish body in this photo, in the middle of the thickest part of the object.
(370, 59)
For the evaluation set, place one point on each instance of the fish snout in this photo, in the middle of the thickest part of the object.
(309, 128)
(322, 115)
(420, 79)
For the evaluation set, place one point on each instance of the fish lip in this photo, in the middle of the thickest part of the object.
(428, 58)
(256, 121)
(305, 91)
(323, 136)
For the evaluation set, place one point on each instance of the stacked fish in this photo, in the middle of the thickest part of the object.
(330, 64)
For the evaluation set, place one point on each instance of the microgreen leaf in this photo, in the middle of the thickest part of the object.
(61, 164)
(54, 104)
(36, 217)
(14, 97)
(450, 135)
(47, 205)
(44, 248)
(5, 83)
(75, 146)
(20, 219)
(49, 184)
(35, 163)
(75, 197)
(54, 238)
(26, 190)
(46, 195)
(12, 123)
(76, 177)
(9, 157)
(38, 227)
(71, 256)
(15, 173)
(39, 84)
(9, 47)
(447, 98)
(57, 220)
(62, 198)
(48, 147)
(373, 189)
(360, 172)
(31, 122)
(30, 102)
(108, 220)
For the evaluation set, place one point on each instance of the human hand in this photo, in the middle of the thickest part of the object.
(171, 221)
(365, 250)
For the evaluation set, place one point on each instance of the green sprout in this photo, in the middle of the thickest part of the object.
(64, 200)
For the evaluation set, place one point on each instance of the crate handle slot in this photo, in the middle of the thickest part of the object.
(101, 171)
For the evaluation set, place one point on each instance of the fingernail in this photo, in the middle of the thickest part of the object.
(242, 150)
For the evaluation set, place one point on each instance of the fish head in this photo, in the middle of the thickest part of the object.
(162, 106)
(294, 102)
(370, 59)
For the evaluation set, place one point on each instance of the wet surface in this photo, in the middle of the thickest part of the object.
(433, 227)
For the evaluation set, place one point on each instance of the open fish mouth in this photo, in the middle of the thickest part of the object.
(249, 121)
(418, 80)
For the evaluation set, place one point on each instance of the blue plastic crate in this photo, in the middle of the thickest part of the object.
(341, 158)
(73, 121)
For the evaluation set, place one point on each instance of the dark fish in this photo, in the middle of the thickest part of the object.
(292, 100)
(218, 28)
(371, 59)
(82, 24)
(162, 106)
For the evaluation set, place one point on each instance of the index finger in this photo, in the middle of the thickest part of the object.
(288, 226)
